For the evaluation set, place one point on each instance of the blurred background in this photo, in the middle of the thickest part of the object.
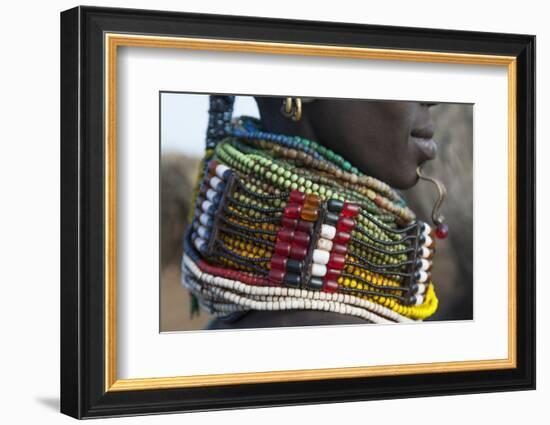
(184, 119)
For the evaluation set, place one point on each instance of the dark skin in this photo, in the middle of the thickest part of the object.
(384, 139)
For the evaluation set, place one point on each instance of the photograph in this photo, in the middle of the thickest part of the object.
(300, 211)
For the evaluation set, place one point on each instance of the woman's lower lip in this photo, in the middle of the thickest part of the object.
(427, 147)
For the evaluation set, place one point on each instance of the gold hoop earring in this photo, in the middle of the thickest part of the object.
(292, 108)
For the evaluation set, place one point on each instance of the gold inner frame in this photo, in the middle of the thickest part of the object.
(113, 41)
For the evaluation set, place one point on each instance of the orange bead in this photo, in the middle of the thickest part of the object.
(309, 214)
(312, 201)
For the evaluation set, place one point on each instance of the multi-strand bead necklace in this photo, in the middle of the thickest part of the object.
(284, 223)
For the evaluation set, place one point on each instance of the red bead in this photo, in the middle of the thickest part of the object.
(345, 224)
(212, 166)
(336, 261)
(289, 223)
(276, 276)
(297, 197)
(305, 226)
(301, 238)
(332, 274)
(442, 231)
(350, 209)
(297, 252)
(330, 285)
(286, 235)
(292, 211)
(341, 238)
(278, 262)
(339, 249)
(282, 248)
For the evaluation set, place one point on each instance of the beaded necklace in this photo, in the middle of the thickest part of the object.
(280, 223)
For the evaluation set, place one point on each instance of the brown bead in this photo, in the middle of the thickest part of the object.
(312, 201)
(309, 214)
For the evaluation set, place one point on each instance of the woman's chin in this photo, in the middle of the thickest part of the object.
(402, 178)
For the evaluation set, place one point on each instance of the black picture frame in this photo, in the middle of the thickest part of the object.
(83, 392)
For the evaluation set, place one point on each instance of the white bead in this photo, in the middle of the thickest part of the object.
(428, 241)
(324, 244)
(426, 231)
(206, 205)
(220, 169)
(328, 231)
(318, 270)
(211, 194)
(201, 231)
(320, 256)
(425, 264)
(422, 276)
(204, 219)
(419, 299)
(215, 182)
(421, 289)
(199, 242)
(425, 252)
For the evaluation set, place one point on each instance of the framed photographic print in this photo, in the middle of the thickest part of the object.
(261, 212)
